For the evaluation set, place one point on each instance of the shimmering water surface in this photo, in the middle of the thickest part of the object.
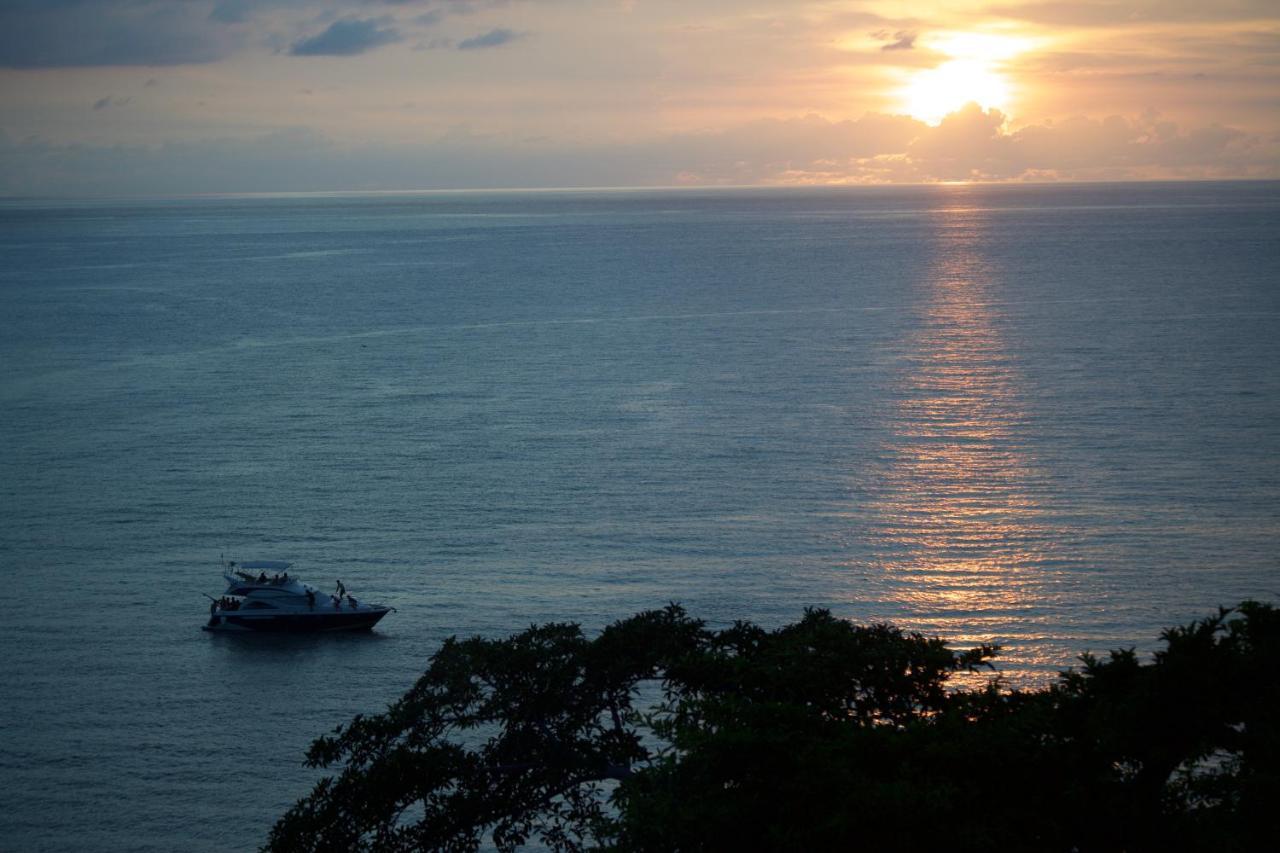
(1043, 416)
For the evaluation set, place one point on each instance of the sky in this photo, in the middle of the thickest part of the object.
(140, 97)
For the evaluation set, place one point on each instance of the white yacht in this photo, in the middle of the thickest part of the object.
(261, 596)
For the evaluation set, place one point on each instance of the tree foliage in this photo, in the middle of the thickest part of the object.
(663, 734)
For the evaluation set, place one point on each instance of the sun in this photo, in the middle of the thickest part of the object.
(933, 93)
(974, 72)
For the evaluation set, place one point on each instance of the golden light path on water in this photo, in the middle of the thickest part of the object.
(958, 519)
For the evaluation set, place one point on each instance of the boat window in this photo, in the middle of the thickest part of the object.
(258, 605)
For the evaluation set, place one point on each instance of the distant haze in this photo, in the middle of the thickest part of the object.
(193, 96)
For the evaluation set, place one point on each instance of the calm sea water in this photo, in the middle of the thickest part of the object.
(1043, 416)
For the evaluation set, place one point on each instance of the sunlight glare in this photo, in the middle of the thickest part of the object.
(935, 92)
(973, 73)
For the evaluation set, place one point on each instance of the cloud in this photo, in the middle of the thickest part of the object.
(231, 11)
(347, 37)
(965, 144)
(1113, 13)
(77, 33)
(493, 38)
(975, 144)
(438, 43)
(971, 144)
(152, 33)
(760, 151)
(109, 101)
(902, 41)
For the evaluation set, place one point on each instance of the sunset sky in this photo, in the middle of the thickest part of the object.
(178, 96)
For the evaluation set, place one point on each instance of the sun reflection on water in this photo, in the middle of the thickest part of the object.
(957, 521)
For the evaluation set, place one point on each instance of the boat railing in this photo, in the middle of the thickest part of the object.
(261, 579)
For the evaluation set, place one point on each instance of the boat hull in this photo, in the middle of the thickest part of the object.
(297, 623)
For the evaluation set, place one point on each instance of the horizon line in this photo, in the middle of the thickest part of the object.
(656, 188)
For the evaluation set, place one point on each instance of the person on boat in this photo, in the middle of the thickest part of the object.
(311, 599)
(342, 590)
(262, 578)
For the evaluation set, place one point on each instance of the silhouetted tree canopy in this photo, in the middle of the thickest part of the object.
(663, 734)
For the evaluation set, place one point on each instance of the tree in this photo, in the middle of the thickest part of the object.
(663, 734)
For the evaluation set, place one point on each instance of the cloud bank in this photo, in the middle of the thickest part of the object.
(973, 144)
(970, 144)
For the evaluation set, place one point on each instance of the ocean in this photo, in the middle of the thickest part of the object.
(1044, 416)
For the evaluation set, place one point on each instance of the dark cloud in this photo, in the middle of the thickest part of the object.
(62, 33)
(902, 41)
(89, 33)
(109, 101)
(493, 38)
(348, 37)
